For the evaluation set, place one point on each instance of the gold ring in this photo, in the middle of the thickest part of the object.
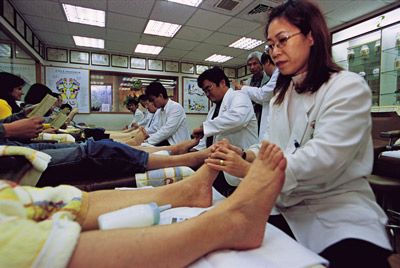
(221, 162)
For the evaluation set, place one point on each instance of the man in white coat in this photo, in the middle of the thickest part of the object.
(171, 123)
(264, 94)
(231, 117)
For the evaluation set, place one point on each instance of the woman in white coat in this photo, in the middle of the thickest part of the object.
(320, 117)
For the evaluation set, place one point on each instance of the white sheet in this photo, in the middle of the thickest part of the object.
(277, 251)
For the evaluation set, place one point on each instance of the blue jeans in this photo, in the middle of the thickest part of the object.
(103, 159)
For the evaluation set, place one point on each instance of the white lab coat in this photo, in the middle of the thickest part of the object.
(325, 197)
(236, 122)
(262, 95)
(151, 125)
(138, 118)
(171, 124)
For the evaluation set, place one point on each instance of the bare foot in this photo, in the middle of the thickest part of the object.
(196, 190)
(184, 147)
(140, 136)
(248, 208)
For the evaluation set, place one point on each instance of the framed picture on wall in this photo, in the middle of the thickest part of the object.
(201, 68)
(28, 35)
(8, 12)
(187, 68)
(5, 50)
(172, 66)
(138, 63)
(194, 99)
(230, 72)
(241, 71)
(155, 65)
(57, 54)
(19, 24)
(36, 44)
(119, 61)
(100, 59)
(79, 57)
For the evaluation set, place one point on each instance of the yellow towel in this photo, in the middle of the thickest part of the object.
(39, 161)
(62, 138)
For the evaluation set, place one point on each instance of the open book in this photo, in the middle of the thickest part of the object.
(59, 120)
(44, 106)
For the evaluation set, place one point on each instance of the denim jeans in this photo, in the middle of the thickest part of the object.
(92, 159)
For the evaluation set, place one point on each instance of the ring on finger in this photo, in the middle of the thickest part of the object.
(221, 162)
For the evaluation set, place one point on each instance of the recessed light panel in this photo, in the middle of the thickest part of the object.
(161, 28)
(193, 3)
(88, 42)
(218, 58)
(246, 43)
(154, 50)
(85, 15)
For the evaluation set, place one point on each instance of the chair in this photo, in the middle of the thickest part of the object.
(385, 178)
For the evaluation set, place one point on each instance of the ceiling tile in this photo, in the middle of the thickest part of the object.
(207, 20)
(51, 25)
(86, 30)
(171, 53)
(171, 12)
(154, 40)
(53, 38)
(257, 34)
(182, 44)
(230, 51)
(218, 38)
(124, 22)
(40, 8)
(122, 47)
(239, 26)
(122, 36)
(137, 8)
(192, 33)
(208, 48)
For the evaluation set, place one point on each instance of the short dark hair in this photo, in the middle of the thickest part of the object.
(36, 93)
(266, 58)
(155, 89)
(65, 105)
(8, 82)
(215, 75)
(131, 100)
(306, 16)
(143, 97)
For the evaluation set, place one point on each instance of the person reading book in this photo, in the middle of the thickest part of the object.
(68, 220)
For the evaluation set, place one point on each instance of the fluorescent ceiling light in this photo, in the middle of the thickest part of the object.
(88, 42)
(193, 3)
(85, 15)
(246, 43)
(161, 28)
(218, 58)
(155, 50)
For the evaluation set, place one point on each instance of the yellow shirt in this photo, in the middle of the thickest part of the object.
(5, 109)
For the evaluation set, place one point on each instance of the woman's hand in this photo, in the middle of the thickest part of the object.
(225, 159)
(25, 128)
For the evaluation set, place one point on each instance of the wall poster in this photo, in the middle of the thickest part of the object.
(72, 84)
(195, 100)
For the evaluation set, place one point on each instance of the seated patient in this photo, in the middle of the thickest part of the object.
(94, 159)
(52, 234)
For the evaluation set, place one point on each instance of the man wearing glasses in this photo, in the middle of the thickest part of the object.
(231, 117)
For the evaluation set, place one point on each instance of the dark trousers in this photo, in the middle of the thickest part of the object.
(349, 252)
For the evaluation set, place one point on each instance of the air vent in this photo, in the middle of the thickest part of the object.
(227, 5)
(260, 9)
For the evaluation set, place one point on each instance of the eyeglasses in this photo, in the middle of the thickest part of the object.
(207, 89)
(281, 42)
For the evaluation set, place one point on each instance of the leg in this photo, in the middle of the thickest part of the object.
(193, 159)
(194, 191)
(241, 218)
(180, 148)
